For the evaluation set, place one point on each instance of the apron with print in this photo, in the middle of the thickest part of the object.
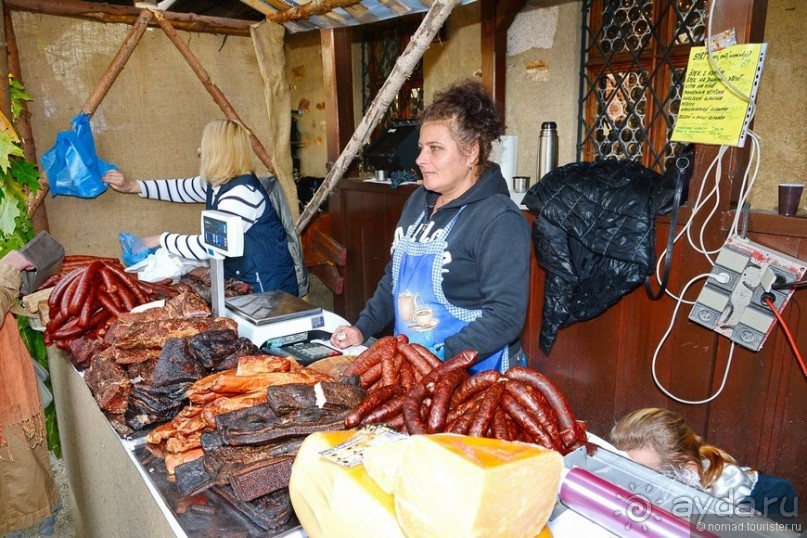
(422, 311)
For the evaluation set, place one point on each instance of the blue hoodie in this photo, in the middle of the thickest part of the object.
(489, 265)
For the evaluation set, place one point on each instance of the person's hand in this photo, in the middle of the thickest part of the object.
(151, 241)
(346, 336)
(16, 260)
(118, 181)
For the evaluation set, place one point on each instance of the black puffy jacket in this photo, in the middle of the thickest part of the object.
(594, 234)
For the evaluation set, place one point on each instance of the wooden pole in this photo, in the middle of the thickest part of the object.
(212, 89)
(36, 210)
(317, 7)
(103, 12)
(404, 65)
(5, 91)
(120, 59)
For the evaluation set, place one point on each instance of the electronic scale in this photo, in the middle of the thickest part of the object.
(275, 321)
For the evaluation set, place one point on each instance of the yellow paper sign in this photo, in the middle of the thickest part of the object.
(710, 112)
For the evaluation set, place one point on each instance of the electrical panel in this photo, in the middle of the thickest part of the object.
(731, 302)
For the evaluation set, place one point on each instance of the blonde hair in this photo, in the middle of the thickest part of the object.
(674, 441)
(226, 152)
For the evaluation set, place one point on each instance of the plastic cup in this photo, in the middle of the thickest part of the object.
(789, 196)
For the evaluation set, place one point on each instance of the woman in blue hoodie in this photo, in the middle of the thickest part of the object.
(459, 274)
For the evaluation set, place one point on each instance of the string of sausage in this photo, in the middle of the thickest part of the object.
(425, 395)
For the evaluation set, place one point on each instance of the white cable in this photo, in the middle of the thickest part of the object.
(716, 69)
(661, 344)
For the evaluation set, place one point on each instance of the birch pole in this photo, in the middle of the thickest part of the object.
(435, 17)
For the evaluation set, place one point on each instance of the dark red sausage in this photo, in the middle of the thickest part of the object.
(371, 376)
(371, 356)
(433, 360)
(388, 373)
(396, 422)
(415, 359)
(370, 402)
(385, 411)
(535, 403)
(499, 427)
(128, 282)
(55, 297)
(474, 384)
(83, 288)
(555, 398)
(411, 410)
(67, 296)
(89, 307)
(454, 412)
(441, 399)
(526, 421)
(484, 415)
(461, 360)
(108, 302)
(406, 376)
(463, 423)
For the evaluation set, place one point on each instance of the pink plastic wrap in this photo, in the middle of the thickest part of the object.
(620, 511)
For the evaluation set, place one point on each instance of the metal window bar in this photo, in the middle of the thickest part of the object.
(633, 64)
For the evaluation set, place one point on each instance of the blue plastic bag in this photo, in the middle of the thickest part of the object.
(72, 166)
(134, 250)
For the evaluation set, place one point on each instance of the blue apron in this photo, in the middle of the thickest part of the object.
(422, 311)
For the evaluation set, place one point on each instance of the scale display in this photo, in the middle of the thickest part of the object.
(222, 234)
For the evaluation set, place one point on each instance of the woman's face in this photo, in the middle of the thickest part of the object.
(445, 169)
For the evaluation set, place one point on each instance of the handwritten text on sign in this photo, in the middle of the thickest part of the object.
(710, 112)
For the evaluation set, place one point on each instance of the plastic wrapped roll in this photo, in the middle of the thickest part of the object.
(620, 511)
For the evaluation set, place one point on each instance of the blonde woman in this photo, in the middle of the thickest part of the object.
(661, 440)
(227, 183)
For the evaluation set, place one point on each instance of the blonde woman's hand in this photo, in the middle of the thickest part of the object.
(118, 181)
(346, 336)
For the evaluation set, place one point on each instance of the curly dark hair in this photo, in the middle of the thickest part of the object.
(472, 114)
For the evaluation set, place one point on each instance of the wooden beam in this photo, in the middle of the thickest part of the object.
(5, 91)
(317, 7)
(212, 89)
(404, 65)
(128, 15)
(36, 209)
(337, 75)
(118, 62)
(497, 16)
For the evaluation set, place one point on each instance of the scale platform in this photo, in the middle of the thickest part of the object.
(271, 307)
(279, 322)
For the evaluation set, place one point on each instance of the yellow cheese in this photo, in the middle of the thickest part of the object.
(381, 462)
(453, 485)
(335, 501)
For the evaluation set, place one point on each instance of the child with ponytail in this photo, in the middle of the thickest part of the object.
(661, 439)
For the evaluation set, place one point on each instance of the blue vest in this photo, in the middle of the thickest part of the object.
(266, 264)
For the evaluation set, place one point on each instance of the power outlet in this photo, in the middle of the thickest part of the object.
(731, 302)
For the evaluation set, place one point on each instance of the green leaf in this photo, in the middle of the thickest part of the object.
(7, 149)
(18, 96)
(9, 211)
(25, 173)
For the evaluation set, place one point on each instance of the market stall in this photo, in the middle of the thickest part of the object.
(126, 475)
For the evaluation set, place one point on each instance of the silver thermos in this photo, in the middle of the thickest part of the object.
(547, 148)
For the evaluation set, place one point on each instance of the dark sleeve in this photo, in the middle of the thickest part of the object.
(503, 271)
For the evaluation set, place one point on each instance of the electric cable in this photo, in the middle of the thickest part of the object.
(661, 344)
(788, 334)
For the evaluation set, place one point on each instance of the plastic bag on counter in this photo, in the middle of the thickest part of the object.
(72, 166)
(134, 250)
(161, 265)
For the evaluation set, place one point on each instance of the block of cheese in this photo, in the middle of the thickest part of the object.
(381, 462)
(455, 485)
(335, 501)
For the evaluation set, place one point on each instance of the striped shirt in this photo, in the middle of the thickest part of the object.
(242, 200)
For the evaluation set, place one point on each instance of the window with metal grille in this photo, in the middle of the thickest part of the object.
(379, 51)
(634, 60)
